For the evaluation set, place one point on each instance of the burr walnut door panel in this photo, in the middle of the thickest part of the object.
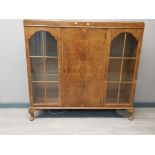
(83, 67)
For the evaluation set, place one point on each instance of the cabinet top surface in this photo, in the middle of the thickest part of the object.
(81, 23)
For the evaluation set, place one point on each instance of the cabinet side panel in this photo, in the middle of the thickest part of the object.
(140, 39)
(28, 64)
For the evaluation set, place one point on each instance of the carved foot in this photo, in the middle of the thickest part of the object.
(31, 116)
(130, 116)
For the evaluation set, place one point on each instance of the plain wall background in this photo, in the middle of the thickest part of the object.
(13, 70)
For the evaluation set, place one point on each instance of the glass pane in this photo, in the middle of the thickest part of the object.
(51, 69)
(37, 69)
(36, 48)
(128, 69)
(38, 90)
(51, 92)
(125, 93)
(130, 46)
(50, 44)
(117, 46)
(114, 69)
(51, 77)
(112, 92)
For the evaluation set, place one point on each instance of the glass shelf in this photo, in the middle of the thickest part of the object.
(44, 81)
(119, 81)
(44, 57)
(122, 57)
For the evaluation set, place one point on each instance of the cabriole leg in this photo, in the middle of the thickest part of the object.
(31, 114)
(130, 114)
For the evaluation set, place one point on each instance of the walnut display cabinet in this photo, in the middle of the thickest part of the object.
(82, 65)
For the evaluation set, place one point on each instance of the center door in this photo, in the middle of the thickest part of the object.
(83, 67)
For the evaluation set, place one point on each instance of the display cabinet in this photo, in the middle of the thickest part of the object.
(82, 65)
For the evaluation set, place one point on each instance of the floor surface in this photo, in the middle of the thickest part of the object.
(85, 122)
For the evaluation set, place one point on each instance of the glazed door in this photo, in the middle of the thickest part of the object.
(43, 57)
(83, 67)
(123, 64)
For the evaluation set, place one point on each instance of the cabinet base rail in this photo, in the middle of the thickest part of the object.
(33, 109)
